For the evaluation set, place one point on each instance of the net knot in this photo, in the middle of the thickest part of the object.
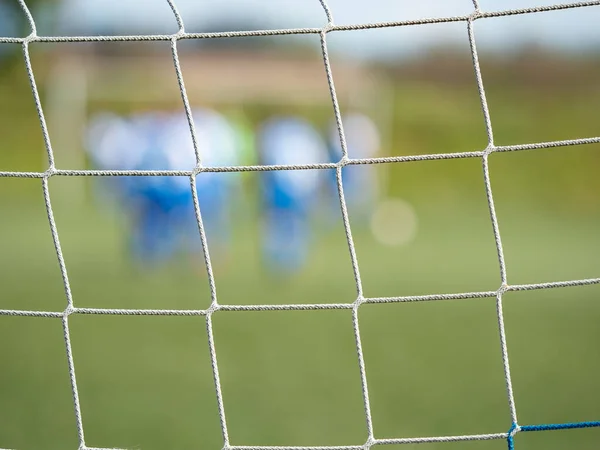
(68, 311)
(212, 308)
(370, 442)
(343, 162)
(31, 38)
(502, 289)
(327, 28)
(50, 172)
(359, 301)
(475, 15)
(514, 429)
(489, 149)
(180, 34)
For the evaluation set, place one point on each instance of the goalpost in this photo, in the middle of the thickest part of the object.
(506, 433)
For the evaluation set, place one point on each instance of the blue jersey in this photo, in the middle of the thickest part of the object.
(289, 195)
(166, 192)
(291, 141)
(217, 147)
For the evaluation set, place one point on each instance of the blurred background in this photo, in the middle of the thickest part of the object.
(292, 378)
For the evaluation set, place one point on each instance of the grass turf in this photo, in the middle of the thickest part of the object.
(292, 378)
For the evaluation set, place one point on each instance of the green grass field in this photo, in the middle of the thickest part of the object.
(292, 378)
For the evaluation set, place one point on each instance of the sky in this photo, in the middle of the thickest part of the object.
(568, 29)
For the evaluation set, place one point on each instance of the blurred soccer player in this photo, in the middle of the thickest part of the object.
(359, 181)
(161, 208)
(289, 196)
(217, 146)
(137, 143)
(111, 144)
(153, 199)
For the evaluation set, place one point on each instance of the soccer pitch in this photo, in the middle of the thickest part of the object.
(292, 377)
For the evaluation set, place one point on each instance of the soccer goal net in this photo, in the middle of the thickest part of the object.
(477, 14)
